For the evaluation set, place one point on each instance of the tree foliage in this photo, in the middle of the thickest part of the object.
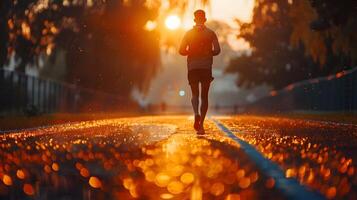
(106, 45)
(322, 24)
(284, 48)
(341, 18)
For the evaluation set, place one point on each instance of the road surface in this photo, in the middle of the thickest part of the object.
(161, 157)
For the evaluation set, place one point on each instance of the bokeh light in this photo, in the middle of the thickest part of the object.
(182, 93)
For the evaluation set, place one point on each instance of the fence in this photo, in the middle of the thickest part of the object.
(336, 92)
(21, 93)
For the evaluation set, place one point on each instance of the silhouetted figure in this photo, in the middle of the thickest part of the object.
(218, 107)
(163, 106)
(235, 108)
(200, 44)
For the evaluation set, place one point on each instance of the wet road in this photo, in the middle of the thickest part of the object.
(161, 157)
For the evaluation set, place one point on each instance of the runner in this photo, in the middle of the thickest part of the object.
(200, 44)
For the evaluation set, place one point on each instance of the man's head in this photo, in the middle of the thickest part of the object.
(200, 17)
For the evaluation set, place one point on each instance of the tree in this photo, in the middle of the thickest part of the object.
(333, 21)
(112, 52)
(9, 11)
(277, 58)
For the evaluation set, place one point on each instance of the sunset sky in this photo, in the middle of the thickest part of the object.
(227, 10)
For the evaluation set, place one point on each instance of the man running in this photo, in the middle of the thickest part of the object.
(200, 44)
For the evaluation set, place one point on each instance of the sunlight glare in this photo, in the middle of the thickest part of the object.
(173, 22)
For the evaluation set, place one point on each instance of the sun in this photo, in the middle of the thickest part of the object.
(173, 22)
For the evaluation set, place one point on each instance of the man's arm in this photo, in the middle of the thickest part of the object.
(183, 47)
(216, 47)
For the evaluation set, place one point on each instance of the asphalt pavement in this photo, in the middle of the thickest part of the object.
(161, 157)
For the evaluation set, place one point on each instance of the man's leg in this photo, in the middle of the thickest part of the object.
(195, 103)
(195, 97)
(204, 101)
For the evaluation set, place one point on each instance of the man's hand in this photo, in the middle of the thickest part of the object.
(183, 47)
(216, 48)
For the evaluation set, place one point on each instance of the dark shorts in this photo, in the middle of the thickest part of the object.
(196, 76)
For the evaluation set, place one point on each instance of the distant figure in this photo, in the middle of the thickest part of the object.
(235, 109)
(218, 107)
(163, 106)
(200, 44)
